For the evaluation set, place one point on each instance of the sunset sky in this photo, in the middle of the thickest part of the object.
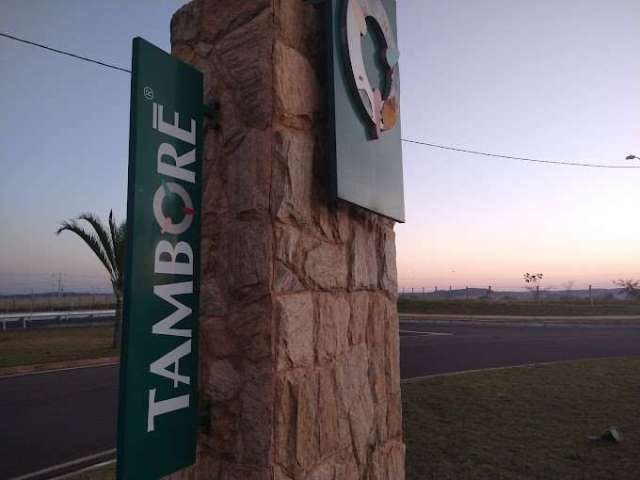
(545, 79)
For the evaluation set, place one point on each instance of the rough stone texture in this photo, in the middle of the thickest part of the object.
(299, 337)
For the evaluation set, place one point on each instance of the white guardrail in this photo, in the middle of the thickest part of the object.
(63, 316)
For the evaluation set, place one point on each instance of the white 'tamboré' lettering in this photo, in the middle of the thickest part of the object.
(160, 366)
(172, 257)
(163, 406)
(176, 169)
(172, 264)
(172, 128)
(167, 292)
(166, 223)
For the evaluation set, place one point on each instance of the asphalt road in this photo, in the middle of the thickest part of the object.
(51, 418)
(428, 349)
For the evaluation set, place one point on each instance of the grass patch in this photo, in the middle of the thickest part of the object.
(525, 423)
(27, 347)
(528, 423)
(483, 307)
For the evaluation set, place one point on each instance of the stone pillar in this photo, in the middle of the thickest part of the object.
(299, 336)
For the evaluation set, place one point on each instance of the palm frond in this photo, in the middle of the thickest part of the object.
(92, 241)
(113, 230)
(103, 236)
(119, 241)
(117, 249)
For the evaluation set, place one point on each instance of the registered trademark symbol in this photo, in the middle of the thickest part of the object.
(148, 93)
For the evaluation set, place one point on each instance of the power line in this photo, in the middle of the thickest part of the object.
(523, 159)
(426, 144)
(62, 52)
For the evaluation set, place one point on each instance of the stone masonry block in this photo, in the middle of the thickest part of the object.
(299, 328)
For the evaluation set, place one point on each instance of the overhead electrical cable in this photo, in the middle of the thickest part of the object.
(62, 52)
(416, 142)
(522, 159)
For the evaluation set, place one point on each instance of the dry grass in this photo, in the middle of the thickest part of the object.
(38, 303)
(26, 347)
(483, 307)
(518, 424)
(525, 423)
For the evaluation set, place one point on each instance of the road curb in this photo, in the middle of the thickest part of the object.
(494, 369)
(91, 468)
(477, 370)
(495, 322)
(73, 467)
(21, 370)
(520, 317)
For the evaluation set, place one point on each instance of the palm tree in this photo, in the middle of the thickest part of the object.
(108, 243)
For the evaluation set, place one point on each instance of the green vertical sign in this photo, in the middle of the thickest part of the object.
(158, 413)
